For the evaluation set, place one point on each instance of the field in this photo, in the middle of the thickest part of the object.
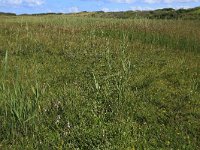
(95, 83)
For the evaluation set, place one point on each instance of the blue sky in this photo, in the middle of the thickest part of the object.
(67, 6)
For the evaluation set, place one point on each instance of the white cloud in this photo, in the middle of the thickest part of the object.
(123, 1)
(154, 1)
(21, 2)
(105, 9)
(141, 8)
(34, 2)
(169, 1)
(73, 9)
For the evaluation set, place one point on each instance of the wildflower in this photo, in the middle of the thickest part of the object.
(57, 104)
(58, 119)
(68, 125)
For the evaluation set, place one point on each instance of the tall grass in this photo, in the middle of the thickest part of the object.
(89, 83)
(19, 106)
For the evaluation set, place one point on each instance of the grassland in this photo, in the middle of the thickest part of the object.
(166, 13)
(93, 83)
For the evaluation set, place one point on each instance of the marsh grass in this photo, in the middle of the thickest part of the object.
(90, 83)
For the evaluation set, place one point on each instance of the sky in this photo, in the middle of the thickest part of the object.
(69, 6)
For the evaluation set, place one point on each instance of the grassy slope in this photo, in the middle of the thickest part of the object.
(197, 11)
(99, 83)
(166, 13)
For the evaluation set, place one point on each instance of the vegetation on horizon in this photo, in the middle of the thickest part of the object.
(165, 13)
(95, 83)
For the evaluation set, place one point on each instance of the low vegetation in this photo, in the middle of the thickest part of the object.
(166, 13)
(94, 83)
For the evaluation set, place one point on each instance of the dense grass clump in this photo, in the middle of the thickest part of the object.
(88, 83)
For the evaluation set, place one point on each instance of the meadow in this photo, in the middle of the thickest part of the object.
(72, 82)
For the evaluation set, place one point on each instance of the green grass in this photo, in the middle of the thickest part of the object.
(89, 83)
(165, 13)
(197, 11)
